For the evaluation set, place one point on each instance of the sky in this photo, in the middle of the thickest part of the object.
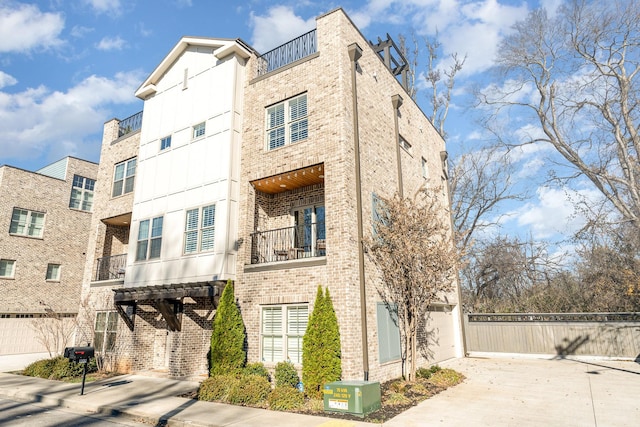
(68, 66)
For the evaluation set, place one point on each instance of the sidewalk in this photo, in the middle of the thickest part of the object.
(497, 392)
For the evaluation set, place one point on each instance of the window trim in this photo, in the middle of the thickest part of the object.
(99, 347)
(404, 144)
(149, 239)
(11, 262)
(58, 271)
(284, 333)
(84, 191)
(199, 230)
(165, 143)
(125, 177)
(287, 123)
(28, 224)
(195, 131)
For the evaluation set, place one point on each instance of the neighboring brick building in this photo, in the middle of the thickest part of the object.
(247, 170)
(44, 226)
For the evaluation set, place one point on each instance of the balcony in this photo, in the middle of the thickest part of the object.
(111, 267)
(289, 243)
(287, 53)
(130, 124)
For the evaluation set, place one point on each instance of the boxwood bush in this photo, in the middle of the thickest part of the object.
(285, 398)
(57, 368)
(286, 375)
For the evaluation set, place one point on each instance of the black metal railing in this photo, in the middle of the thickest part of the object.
(130, 124)
(287, 53)
(111, 267)
(290, 243)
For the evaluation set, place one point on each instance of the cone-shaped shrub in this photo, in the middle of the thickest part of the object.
(228, 335)
(321, 362)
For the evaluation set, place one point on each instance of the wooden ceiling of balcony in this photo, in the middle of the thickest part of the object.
(290, 180)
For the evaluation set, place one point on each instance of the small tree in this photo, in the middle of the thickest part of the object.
(416, 257)
(321, 353)
(228, 335)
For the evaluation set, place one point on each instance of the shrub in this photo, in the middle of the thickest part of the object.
(58, 368)
(285, 398)
(425, 373)
(228, 335)
(446, 378)
(398, 386)
(217, 387)
(257, 369)
(250, 390)
(286, 375)
(321, 354)
(41, 368)
(397, 399)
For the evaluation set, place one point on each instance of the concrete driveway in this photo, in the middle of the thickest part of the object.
(533, 392)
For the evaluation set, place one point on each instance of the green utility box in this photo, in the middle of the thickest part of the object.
(353, 397)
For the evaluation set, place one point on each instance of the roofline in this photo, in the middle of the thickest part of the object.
(223, 48)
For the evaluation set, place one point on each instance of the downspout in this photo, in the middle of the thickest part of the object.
(396, 101)
(355, 53)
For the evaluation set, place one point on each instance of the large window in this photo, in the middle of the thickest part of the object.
(104, 338)
(53, 272)
(123, 177)
(149, 239)
(287, 122)
(282, 330)
(199, 229)
(309, 233)
(388, 333)
(82, 193)
(27, 223)
(7, 268)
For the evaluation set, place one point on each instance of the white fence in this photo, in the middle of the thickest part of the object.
(615, 335)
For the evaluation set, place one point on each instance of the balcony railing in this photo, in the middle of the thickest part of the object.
(287, 53)
(130, 124)
(111, 267)
(290, 243)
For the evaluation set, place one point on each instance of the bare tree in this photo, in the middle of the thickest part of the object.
(53, 330)
(415, 255)
(479, 182)
(574, 78)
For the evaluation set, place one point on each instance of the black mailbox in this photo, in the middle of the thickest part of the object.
(79, 354)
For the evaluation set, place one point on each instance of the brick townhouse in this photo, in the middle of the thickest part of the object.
(262, 169)
(44, 226)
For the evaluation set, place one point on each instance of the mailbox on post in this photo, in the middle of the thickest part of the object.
(80, 355)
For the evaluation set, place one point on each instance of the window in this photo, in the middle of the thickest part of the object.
(388, 333)
(27, 223)
(199, 229)
(82, 193)
(425, 168)
(282, 330)
(309, 235)
(287, 122)
(7, 268)
(123, 177)
(149, 241)
(198, 130)
(404, 144)
(165, 143)
(104, 339)
(53, 272)
(378, 214)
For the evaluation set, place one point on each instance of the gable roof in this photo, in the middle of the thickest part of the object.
(222, 48)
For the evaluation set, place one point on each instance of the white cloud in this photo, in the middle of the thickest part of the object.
(40, 122)
(111, 43)
(24, 27)
(103, 6)
(78, 31)
(554, 211)
(7, 80)
(278, 26)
